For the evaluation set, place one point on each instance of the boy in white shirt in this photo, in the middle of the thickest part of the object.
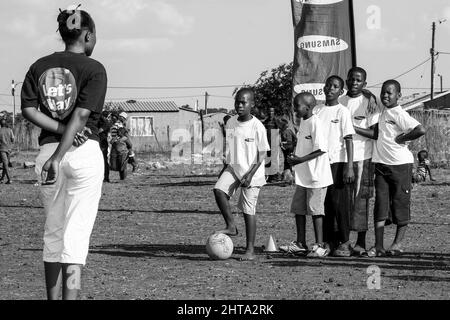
(393, 165)
(246, 148)
(365, 113)
(312, 177)
(338, 127)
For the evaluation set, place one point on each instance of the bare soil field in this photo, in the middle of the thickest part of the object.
(149, 243)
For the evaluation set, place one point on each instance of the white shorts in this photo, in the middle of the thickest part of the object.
(71, 204)
(248, 197)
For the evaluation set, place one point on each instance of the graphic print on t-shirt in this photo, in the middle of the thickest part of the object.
(58, 91)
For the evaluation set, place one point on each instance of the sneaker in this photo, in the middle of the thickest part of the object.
(343, 250)
(319, 251)
(294, 247)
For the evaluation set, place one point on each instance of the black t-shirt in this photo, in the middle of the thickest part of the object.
(61, 82)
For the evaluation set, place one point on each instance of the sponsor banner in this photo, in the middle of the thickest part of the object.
(324, 43)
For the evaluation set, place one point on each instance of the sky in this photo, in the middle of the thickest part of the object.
(197, 43)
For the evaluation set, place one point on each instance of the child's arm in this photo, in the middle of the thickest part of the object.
(349, 174)
(247, 178)
(128, 143)
(371, 133)
(416, 133)
(293, 160)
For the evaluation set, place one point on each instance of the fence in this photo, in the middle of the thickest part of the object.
(437, 139)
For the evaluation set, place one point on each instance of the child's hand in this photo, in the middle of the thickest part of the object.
(400, 139)
(246, 181)
(349, 174)
(293, 160)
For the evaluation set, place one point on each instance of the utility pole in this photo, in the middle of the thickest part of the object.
(432, 52)
(206, 102)
(442, 87)
(13, 89)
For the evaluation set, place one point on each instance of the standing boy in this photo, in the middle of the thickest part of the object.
(246, 150)
(365, 114)
(337, 124)
(272, 167)
(6, 141)
(393, 165)
(312, 177)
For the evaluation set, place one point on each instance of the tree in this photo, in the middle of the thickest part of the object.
(273, 89)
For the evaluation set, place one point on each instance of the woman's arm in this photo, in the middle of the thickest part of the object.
(77, 122)
(43, 121)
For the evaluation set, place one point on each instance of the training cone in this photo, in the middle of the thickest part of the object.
(270, 246)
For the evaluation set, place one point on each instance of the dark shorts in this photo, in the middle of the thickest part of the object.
(393, 193)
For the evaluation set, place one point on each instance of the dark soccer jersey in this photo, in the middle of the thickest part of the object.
(61, 82)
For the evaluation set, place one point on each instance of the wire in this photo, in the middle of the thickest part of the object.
(410, 70)
(178, 87)
(151, 98)
(216, 96)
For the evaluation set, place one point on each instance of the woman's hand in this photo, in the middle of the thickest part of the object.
(50, 171)
(81, 137)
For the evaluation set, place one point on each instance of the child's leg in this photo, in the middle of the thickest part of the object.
(223, 203)
(399, 236)
(300, 222)
(53, 279)
(329, 234)
(342, 199)
(71, 274)
(316, 208)
(247, 204)
(379, 235)
(225, 186)
(363, 190)
(250, 229)
(382, 204)
(299, 210)
(318, 228)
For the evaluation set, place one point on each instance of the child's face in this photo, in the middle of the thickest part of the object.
(389, 96)
(356, 83)
(422, 156)
(243, 104)
(301, 108)
(333, 89)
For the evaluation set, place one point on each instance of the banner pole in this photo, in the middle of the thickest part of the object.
(352, 32)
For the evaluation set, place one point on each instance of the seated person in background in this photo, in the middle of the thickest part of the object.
(423, 169)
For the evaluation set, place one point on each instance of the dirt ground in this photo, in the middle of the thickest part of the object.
(149, 243)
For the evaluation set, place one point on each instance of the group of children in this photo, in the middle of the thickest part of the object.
(115, 144)
(346, 149)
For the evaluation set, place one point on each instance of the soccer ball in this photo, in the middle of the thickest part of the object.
(219, 246)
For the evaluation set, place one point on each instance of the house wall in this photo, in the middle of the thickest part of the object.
(165, 125)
